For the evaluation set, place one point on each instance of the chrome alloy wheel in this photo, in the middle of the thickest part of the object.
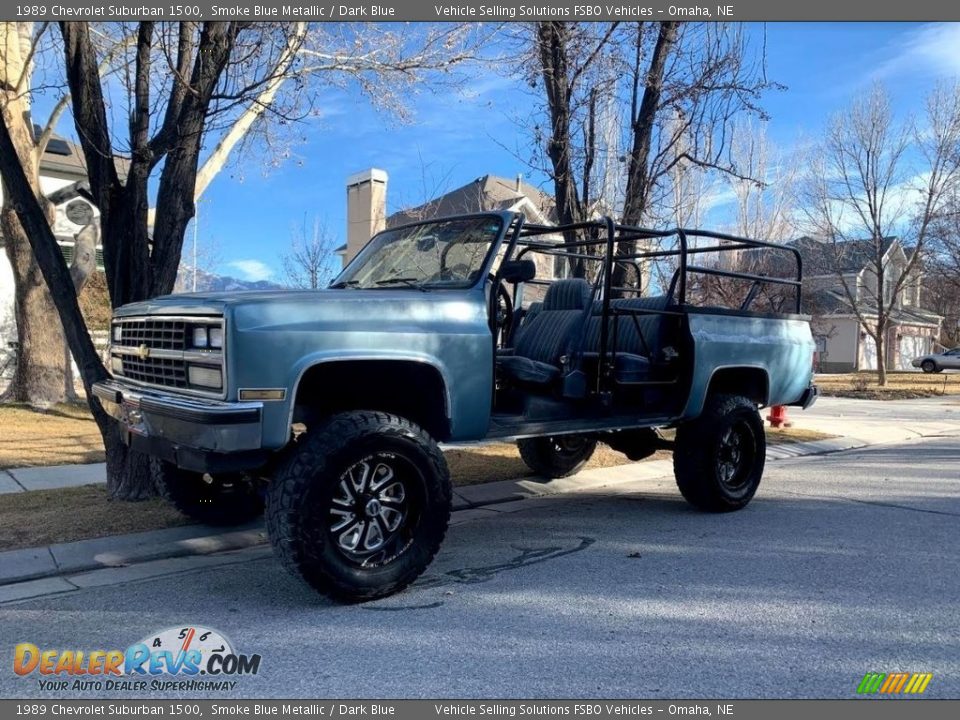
(369, 507)
(735, 455)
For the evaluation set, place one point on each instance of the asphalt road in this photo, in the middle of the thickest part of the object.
(842, 564)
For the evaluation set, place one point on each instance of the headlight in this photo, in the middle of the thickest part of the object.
(216, 337)
(116, 364)
(204, 376)
(199, 337)
(117, 332)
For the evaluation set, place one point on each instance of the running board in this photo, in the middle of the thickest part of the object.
(516, 426)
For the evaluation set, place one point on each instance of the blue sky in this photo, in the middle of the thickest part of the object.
(249, 214)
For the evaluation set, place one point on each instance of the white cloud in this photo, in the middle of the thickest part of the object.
(252, 269)
(932, 49)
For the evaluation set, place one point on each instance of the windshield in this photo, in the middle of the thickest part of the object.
(441, 254)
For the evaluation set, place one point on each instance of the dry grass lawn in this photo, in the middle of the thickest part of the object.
(64, 434)
(900, 385)
(46, 517)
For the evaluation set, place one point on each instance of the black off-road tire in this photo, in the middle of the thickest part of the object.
(306, 500)
(221, 500)
(558, 456)
(928, 366)
(709, 476)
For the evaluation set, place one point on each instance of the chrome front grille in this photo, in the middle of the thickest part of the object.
(158, 351)
(165, 372)
(154, 333)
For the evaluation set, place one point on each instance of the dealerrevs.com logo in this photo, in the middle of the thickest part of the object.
(178, 658)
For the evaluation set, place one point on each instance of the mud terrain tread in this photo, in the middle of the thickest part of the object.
(307, 465)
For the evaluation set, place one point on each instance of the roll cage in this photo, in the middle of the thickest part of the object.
(610, 246)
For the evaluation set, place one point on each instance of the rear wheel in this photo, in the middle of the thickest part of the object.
(221, 499)
(360, 510)
(557, 456)
(718, 458)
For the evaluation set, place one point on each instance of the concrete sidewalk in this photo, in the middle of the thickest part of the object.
(52, 477)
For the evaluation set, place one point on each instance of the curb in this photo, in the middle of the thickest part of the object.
(30, 572)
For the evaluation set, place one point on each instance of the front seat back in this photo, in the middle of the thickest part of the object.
(544, 338)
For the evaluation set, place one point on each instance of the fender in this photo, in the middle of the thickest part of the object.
(326, 357)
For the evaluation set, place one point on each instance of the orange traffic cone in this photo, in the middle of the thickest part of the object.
(778, 417)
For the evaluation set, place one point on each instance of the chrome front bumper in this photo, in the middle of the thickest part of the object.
(200, 435)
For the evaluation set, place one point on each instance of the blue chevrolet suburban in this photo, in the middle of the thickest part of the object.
(326, 408)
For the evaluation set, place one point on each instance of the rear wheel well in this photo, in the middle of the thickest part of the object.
(750, 382)
(412, 390)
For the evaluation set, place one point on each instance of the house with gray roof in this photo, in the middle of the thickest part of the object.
(843, 343)
(367, 196)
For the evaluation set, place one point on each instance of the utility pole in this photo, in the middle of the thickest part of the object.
(196, 221)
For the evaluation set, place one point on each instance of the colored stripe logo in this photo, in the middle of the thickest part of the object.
(894, 683)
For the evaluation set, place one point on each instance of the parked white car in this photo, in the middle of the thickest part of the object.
(937, 362)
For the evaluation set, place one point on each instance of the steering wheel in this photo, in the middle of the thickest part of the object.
(504, 309)
(457, 273)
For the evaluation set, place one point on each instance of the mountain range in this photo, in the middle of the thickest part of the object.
(211, 282)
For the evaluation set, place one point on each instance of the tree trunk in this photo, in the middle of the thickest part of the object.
(643, 125)
(881, 352)
(130, 475)
(553, 38)
(38, 378)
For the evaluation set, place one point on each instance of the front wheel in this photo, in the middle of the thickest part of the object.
(220, 499)
(360, 510)
(718, 458)
(558, 456)
(928, 366)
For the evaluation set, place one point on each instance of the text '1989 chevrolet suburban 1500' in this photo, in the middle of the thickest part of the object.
(326, 407)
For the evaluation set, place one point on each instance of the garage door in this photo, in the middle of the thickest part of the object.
(911, 346)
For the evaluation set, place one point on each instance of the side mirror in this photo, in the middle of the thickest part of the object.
(518, 271)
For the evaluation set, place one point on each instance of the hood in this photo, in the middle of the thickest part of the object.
(279, 306)
(204, 303)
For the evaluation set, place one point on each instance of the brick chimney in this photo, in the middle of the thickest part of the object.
(366, 208)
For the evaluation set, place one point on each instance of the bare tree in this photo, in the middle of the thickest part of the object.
(571, 62)
(765, 196)
(764, 209)
(274, 84)
(872, 179)
(941, 270)
(311, 262)
(675, 89)
(384, 63)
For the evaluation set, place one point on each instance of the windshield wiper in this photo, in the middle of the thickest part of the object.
(343, 284)
(408, 281)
